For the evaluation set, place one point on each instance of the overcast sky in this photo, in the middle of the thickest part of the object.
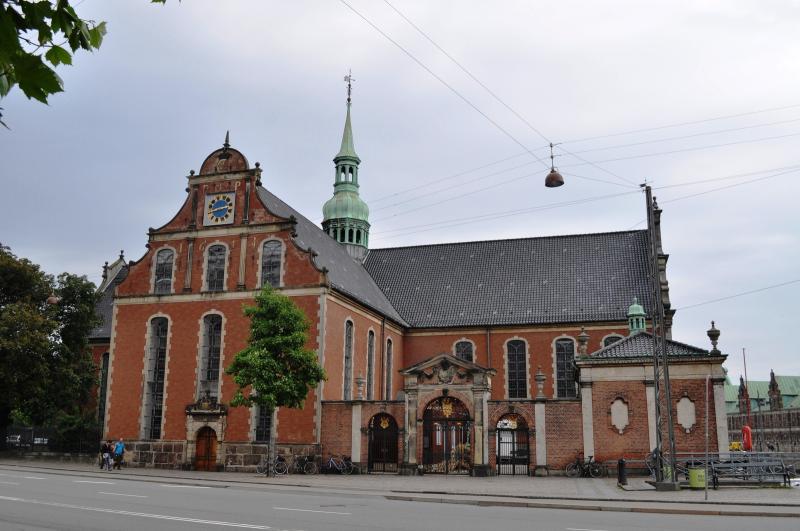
(87, 175)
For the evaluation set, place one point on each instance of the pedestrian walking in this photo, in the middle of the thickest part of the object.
(105, 455)
(101, 457)
(119, 454)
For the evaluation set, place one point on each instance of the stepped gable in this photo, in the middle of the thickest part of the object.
(640, 346)
(556, 279)
(345, 274)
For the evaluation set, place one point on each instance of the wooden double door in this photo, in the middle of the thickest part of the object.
(206, 450)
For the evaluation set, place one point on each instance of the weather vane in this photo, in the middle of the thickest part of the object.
(349, 79)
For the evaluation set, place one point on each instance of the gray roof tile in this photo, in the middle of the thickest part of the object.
(641, 346)
(555, 279)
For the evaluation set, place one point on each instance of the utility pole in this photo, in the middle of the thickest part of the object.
(665, 428)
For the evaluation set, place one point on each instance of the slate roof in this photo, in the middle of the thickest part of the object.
(104, 308)
(556, 279)
(345, 274)
(640, 345)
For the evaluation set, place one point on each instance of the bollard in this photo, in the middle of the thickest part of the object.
(622, 476)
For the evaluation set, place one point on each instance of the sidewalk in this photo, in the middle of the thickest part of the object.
(555, 492)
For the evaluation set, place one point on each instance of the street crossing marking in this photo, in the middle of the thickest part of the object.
(120, 494)
(141, 515)
(307, 510)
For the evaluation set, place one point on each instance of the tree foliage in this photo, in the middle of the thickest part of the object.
(275, 369)
(46, 369)
(36, 37)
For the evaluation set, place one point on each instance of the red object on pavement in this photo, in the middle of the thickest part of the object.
(747, 438)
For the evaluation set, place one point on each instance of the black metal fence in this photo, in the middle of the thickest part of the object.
(46, 439)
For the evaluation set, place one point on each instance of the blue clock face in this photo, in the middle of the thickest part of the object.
(220, 209)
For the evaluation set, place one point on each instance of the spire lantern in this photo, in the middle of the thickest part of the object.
(636, 317)
(345, 216)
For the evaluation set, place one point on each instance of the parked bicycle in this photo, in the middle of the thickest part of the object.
(340, 464)
(279, 467)
(304, 464)
(586, 468)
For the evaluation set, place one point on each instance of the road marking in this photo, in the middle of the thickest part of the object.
(120, 494)
(8, 483)
(32, 477)
(141, 515)
(307, 510)
(94, 482)
(582, 529)
(184, 486)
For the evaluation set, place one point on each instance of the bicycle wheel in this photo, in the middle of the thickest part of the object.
(260, 469)
(347, 467)
(281, 468)
(573, 470)
(310, 468)
(595, 470)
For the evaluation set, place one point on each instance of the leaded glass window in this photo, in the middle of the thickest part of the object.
(163, 278)
(370, 363)
(464, 350)
(271, 263)
(389, 356)
(210, 355)
(156, 370)
(348, 360)
(215, 268)
(263, 423)
(517, 369)
(565, 369)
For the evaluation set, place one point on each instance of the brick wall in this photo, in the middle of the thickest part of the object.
(336, 434)
(564, 432)
(609, 443)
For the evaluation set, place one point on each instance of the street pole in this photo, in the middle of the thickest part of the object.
(708, 376)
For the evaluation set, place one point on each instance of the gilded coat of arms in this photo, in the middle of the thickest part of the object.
(384, 422)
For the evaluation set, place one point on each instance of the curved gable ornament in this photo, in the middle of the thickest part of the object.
(687, 416)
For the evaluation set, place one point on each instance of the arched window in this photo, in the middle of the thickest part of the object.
(388, 369)
(271, 255)
(155, 373)
(263, 423)
(517, 369)
(565, 369)
(370, 363)
(215, 268)
(348, 360)
(350, 236)
(163, 277)
(210, 355)
(610, 340)
(464, 350)
(358, 236)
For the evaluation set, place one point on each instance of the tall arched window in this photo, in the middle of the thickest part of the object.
(271, 256)
(389, 356)
(348, 360)
(464, 350)
(163, 277)
(156, 371)
(263, 423)
(565, 369)
(215, 268)
(517, 369)
(210, 350)
(370, 363)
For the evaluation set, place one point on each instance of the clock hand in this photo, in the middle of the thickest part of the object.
(219, 208)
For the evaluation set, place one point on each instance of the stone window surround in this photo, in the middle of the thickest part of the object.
(154, 265)
(204, 280)
(147, 345)
(555, 365)
(527, 367)
(466, 340)
(200, 334)
(259, 280)
(348, 319)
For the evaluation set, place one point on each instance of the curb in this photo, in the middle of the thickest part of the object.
(605, 508)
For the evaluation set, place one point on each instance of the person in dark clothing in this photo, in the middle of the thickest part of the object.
(119, 454)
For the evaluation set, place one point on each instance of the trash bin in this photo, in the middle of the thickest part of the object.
(697, 478)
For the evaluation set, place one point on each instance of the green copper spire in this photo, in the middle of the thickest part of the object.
(636, 318)
(345, 216)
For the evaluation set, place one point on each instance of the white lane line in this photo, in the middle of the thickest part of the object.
(141, 515)
(184, 486)
(8, 483)
(307, 510)
(32, 477)
(582, 529)
(93, 482)
(120, 494)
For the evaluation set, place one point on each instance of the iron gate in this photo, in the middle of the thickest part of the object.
(513, 453)
(382, 450)
(447, 437)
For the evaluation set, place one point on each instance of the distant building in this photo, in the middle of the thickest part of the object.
(500, 356)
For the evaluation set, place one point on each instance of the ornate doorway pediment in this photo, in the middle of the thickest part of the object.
(446, 369)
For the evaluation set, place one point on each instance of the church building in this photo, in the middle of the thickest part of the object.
(484, 357)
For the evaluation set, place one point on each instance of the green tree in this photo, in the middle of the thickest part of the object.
(46, 369)
(36, 37)
(276, 369)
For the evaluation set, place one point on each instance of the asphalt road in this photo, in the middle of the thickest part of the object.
(39, 501)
